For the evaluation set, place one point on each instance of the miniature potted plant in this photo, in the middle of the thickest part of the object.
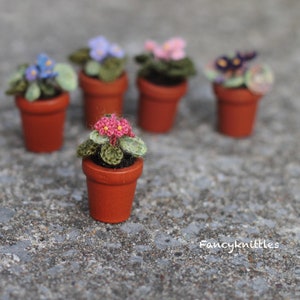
(102, 78)
(112, 164)
(42, 95)
(238, 87)
(162, 82)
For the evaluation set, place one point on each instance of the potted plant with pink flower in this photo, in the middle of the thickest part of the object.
(162, 82)
(102, 78)
(112, 163)
(238, 86)
(41, 93)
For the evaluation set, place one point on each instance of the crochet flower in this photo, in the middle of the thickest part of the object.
(31, 73)
(105, 126)
(123, 128)
(246, 56)
(45, 64)
(177, 43)
(150, 45)
(114, 128)
(99, 53)
(116, 51)
(99, 47)
(172, 49)
(160, 53)
(177, 54)
(222, 63)
(236, 63)
(98, 41)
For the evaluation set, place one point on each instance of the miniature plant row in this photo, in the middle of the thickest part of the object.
(162, 64)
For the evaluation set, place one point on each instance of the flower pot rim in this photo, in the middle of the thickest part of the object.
(162, 92)
(235, 95)
(43, 106)
(112, 176)
(83, 78)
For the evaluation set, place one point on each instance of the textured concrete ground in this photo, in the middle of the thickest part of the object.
(197, 184)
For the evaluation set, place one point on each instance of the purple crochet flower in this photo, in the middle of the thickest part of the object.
(99, 53)
(98, 41)
(116, 51)
(31, 73)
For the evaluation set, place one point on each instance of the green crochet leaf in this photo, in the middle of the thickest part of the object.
(111, 155)
(66, 78)
(111, 69)
(33, 92)
(133, 145)
(92, 68)
(80, 56)
(17, 88)
(97, 138)
(234, 82)
(87, 148)
(47, 89)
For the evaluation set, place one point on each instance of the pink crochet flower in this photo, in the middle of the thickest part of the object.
(172, 49)
(123, 128)
(160, 53)
(177, 54)
(176, 43)
(105, 126)
(114, 128)
(150, 45)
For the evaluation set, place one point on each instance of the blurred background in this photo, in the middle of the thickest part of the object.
(197, 184)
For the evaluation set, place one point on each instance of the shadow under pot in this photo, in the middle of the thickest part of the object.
(43, 122)
(158, 105)
(236, 109)
(111, 191)
(101, 98)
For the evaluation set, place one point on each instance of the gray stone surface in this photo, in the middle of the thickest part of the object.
(197, 184)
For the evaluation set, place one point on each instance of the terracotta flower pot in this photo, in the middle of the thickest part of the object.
(158, 105)
(111, 191)
(102, 98)
(43, 122)
(236, 110)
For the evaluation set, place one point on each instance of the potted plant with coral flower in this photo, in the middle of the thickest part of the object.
(112, 164)
(41, 93)
(102, 78)
(162, 82)
(238, 87)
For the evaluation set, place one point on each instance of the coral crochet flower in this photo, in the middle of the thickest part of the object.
(105, 126)
(123, 128)
(114, 128)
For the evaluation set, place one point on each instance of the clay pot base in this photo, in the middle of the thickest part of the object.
(158, 105)
(100, 98)
(43, 122)
(236, 111)
(111, 191)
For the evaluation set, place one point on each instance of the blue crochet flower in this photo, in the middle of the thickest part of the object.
(45, 64)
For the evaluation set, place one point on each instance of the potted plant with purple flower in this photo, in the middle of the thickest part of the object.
(238, 86)
(102, 78)
(162, 82)
(41, 93)
(112, 163)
